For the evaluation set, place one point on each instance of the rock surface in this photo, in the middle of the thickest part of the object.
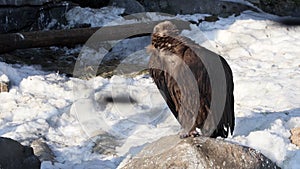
(13, 155)
(42, 150)
(213, 7)
(280, 7)
(200, 152)
(131, 6)
(27, 2)
(295, 138)
(32, 17)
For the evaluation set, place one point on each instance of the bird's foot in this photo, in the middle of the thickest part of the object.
(193, 133)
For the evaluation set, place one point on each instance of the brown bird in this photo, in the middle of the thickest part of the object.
(196, 83)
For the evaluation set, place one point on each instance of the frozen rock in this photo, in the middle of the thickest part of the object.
(295, 138)
(13, 155)
(198, 152)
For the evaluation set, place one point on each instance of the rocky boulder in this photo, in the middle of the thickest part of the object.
(13, 155)
(199, 152)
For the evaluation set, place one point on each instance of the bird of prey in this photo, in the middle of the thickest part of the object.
(196, 83)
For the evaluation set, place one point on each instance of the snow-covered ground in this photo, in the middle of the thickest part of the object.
(73, 115)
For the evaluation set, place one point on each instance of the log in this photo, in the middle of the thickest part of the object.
(70, 37)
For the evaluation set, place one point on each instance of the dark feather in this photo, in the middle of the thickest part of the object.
(174, 66)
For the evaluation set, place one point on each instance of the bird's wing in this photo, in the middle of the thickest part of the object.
(226, 123)
(161, 82)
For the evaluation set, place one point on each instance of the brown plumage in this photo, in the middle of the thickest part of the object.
(181, 69)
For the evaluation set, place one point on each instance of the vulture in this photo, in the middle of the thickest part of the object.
(196, 83)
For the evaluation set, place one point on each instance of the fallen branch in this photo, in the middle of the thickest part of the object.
(69, 37)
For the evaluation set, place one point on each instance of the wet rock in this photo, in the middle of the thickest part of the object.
(13, 155)
(295, 137)
(199, 152)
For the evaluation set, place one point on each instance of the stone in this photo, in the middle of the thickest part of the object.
(33, 17)
(42, 150)
(91, 3)
(213, 7)
(295, 136)
(27, 2)
(280, 7)
(15, 19)
(106, 144)
(197, 152)
(13, 155)
(131, 6)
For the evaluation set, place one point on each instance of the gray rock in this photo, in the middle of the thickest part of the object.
(42, 150)
(214, 7)
(200, 152)
(106, 144)
(13, 155)
(280, 7)
(131, 6)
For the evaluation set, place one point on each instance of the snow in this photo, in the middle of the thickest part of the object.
(95, 17)
(71, 114)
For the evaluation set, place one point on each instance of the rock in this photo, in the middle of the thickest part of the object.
(42, 150)
(19, 3)
(106, 144)
(280, 7)
(131, 6)
(14, 19)
(13, 155)
(91, 3)
(4, 83)
(198, 152)
(295, 137)
(213, 7)
(33, 17)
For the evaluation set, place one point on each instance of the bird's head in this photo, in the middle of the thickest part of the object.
(165, 28)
